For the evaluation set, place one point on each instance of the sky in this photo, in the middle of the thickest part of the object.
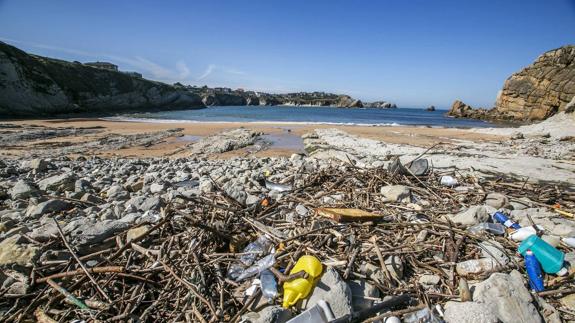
(414, 53)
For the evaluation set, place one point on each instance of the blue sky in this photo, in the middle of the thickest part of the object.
(413, 53)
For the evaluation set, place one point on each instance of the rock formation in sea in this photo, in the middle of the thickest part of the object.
(430, 108)
(381, 105)
(537, 92)
(32, 85)
(462, 110)
(229, 97)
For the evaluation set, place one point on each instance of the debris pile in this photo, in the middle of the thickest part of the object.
(280, 239)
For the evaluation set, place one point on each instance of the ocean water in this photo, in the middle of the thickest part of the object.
(309, 115)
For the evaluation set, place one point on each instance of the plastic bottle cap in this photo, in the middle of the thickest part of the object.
(562, 272)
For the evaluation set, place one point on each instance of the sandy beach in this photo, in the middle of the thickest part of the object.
(287, 137)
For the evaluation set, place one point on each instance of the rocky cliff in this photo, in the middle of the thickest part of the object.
(34, 86)
(535, 93)
(541, 89)
(229, 97)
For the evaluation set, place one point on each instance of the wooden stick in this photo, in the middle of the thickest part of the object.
(100, 290)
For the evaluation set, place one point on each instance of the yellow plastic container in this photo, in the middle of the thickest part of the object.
(299, 288)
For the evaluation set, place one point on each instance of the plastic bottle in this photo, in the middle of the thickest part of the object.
(523, 233)
(502, 218)
(260, 265)
(320, 313)
(448, 181)
(252, 251)
(494, 228)
(569, 241)
(299, 288)
(533, 269)
(268, 284)
(549, 257)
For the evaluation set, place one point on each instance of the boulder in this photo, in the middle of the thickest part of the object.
(36, 211)
(225, 141)
(151, 203)
(332, 289)
(91, 198)
(59, 183)
(462, 110)
(506, 296)
(468, 312)
(117, 192)
(13, 252)
(23, 190)
(87, 233)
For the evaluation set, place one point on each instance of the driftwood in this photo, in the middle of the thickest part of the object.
(177, 270)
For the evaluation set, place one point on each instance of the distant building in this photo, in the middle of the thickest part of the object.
(103, 65)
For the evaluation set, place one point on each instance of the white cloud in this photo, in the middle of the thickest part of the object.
(207, 72)
(213, 68)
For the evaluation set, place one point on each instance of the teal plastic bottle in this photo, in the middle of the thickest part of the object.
(549, 257)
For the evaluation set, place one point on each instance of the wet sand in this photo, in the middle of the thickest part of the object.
(286, 137)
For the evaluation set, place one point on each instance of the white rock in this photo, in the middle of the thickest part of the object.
(332, 289)
(506, 297)
(493, 249)
(468, 312)
(396, 193)
(301, 210)
(157, 188)
(475, 266)
(496, 200)
(252, 199)
(474, 215)
(429, 280)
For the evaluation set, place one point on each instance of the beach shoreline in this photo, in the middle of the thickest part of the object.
(420, 136)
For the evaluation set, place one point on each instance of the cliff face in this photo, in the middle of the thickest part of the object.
(34, 86)
(541, 89)
(229, 97)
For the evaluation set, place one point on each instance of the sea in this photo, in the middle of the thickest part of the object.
(308, 115)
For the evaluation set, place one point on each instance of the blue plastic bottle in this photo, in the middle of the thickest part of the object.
(550, 258)
(502, 218)
(533, 269)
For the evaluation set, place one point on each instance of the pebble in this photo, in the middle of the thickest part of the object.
(396, 193)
